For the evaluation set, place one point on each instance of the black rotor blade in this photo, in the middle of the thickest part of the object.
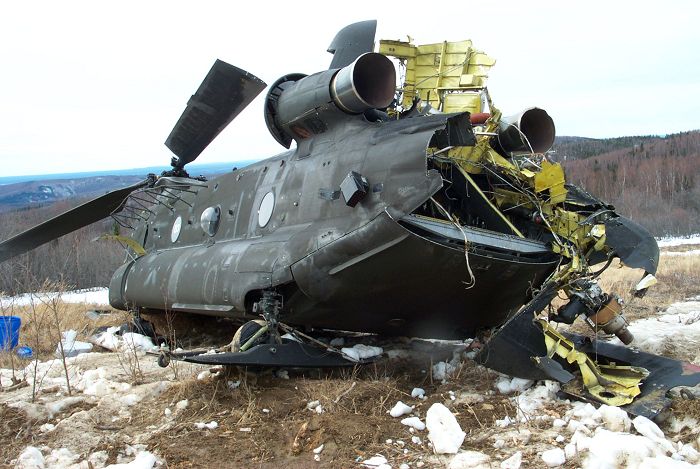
(351, 42)
(82, 215)
(224, 93)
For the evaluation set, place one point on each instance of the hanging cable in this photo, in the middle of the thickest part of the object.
(472, 280)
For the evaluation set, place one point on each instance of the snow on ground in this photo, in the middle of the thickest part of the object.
(678, 241)
(98, 296)
(675, 331)
(541, 431)
(103, 385)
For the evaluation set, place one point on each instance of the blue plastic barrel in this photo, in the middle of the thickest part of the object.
(9, 332)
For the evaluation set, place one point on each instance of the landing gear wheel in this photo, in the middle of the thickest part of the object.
(250, 334)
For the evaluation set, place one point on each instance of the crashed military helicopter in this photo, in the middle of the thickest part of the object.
(416, 210)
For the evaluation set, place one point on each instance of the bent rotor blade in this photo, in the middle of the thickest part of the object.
(224, 93)
(82, 215)
(351, 42)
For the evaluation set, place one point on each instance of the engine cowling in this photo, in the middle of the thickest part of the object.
(299, 106)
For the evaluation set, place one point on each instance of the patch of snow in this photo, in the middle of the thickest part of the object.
(503, 423)
(444, 431)
(678, 240)
(62, 457)
(360, 351)
(614, 418)
(143, 460)
(470, 460)
(554, 457)
(30, 458)
(108, 338)
(663, 334)
(507, 385)
(58, 406)
(443, 370)
(418, 392)
(377, 462)
(663, 462)
(400, 409)
(47, 427)
(182, 405)
(318, 450)
(570, 451)
(649, 429)
(138, 342)
(513, 462)
(71, 347)
(529, 402)
(209, 426)
(413, 422)
(98, 296)
(612, 449)
(416, 440)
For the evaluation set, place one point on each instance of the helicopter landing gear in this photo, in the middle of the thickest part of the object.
(258, 344)
(270, 306)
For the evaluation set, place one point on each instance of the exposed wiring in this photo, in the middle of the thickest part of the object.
(472, 280)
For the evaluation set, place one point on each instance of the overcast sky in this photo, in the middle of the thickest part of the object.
(95, 85)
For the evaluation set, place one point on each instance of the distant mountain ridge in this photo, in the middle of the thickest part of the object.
(21, 192)
(194, 169)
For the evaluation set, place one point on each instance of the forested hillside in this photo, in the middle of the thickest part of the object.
(653, 180)
(75, 259)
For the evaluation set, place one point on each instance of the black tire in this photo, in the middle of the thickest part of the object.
(246, 332)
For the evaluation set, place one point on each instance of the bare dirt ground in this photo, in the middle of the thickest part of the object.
(123, 405)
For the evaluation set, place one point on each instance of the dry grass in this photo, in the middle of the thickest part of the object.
(678, 279)
(40, 331)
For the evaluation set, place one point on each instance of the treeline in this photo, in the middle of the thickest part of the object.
(567, 148)
(75, 259)
(655, 180)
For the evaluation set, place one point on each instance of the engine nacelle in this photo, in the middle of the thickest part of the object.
(299, 106)
(530, 131)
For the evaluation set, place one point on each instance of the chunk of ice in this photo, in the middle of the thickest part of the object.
(400, 409)
(443, 430)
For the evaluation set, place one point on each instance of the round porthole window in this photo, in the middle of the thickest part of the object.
(265, 211)
(175, 232)
(210, 220)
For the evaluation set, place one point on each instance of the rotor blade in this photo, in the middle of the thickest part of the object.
(223, 94)
(351, 42)
(82, 215)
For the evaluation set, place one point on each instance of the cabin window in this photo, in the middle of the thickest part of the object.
(175, 232)
(210, 220)
(265, 211)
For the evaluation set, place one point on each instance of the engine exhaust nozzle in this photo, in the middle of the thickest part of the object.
(367, 83)
(530, 131)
